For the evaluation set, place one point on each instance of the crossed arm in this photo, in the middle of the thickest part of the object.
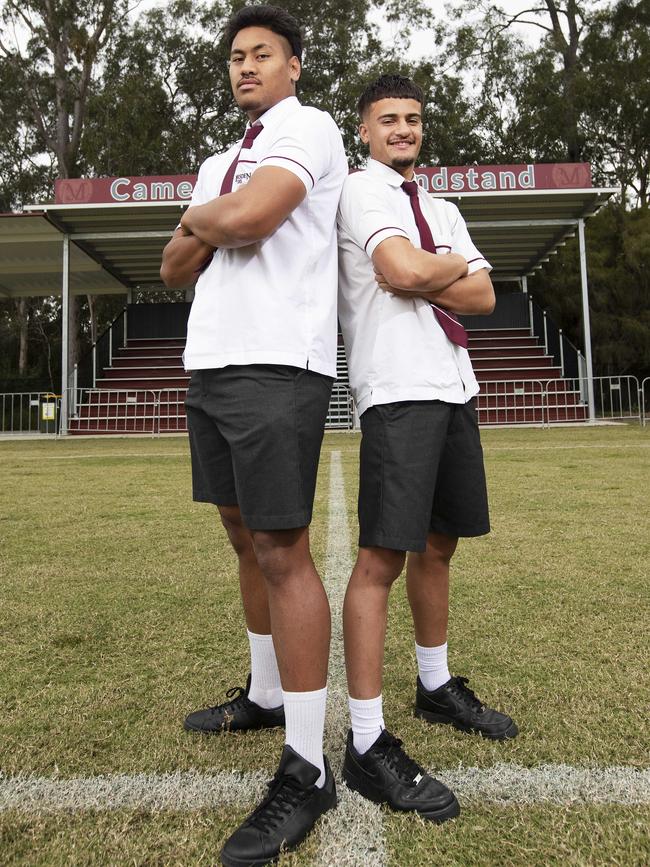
(250, 214)
(410, 272)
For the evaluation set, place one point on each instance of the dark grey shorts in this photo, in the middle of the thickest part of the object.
(255, 437)
(421, 470)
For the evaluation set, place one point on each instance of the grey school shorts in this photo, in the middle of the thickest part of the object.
(255, 437)
(421, 471)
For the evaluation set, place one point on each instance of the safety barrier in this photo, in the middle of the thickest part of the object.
(171, 416)
(155, 412)
(553, 401)
(644, 399)
(29, 412)
(113, 411)
(510, 401)
(616, 398)
(340, 415)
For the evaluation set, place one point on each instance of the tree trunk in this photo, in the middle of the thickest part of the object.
(23, 322)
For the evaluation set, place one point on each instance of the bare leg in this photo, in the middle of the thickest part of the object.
(298, 607)
(364, 618)
(251, 581)
(427, 585)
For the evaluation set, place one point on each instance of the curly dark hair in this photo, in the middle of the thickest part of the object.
(274, 18)
(388, 87)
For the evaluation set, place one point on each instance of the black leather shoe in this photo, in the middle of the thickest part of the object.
(385, 774)
(456, 704)
(285, 816)
(238, 714)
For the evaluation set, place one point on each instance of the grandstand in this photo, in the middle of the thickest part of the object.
(97, 238)
(142, 389)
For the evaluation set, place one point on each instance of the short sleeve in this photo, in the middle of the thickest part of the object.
(199, 196)
(463, 244)
(365, 214)
(304, 144)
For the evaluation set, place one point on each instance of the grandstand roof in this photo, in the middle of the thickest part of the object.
(117, 244)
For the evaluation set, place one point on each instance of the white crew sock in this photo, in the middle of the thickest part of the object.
(304, 713)
(367, 719)
(265, 689)
(432, 665)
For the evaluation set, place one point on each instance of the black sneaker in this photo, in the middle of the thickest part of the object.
(456, 704)
(238, 714)
(285, 816)
(385, 774)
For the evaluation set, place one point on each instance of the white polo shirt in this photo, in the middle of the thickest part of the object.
(395, 347)
(274, 302)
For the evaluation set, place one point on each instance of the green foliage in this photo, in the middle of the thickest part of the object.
(618, 255)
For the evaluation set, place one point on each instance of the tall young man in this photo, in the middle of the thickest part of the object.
(422, 482)
(261, 230)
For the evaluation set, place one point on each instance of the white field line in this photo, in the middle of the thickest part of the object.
(187, 791)
(352, 835)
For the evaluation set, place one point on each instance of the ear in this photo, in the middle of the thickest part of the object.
(294, 68)
(363, 133)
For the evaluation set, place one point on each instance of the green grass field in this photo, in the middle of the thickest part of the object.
(119, 613)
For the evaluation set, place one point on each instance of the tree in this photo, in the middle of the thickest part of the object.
(53, 70)
(619, 290)
(617, 97)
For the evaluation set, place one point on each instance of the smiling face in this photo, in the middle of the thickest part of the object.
(392, 128)
(262, 70)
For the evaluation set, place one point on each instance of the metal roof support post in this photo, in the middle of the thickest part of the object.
(585, 320)
(65, 335)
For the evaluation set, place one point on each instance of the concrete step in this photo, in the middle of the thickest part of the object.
(497, 374)
(512, 361)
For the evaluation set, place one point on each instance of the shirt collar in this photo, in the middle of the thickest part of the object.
(390, 176)
(277, 112)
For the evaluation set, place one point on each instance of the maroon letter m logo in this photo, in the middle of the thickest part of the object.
(73, 191)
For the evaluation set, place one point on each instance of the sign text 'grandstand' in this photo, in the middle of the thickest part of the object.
(442, 179)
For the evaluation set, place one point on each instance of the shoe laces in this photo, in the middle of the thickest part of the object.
(398, 760)
(237, 694)
(285, 793)
(468, 696)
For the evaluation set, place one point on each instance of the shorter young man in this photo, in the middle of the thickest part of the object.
(406, 261)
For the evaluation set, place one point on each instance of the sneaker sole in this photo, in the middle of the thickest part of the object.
(231, 861)
(511, 732)
(227, 729)
(450, 811)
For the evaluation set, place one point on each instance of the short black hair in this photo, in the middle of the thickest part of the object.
(274, 18)
(389, 87)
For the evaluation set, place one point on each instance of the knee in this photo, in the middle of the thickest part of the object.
(441, 548)
(380, 566)
(238, 534)
(281, 554)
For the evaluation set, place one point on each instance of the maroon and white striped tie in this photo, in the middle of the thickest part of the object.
(251, 134)
(448, 322)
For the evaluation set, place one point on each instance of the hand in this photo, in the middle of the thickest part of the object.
(385, 286)
(383, 282)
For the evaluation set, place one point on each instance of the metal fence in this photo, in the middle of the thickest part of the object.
(155, 412)
(113, 411)
(519, 401)
(29, 412)
(553, 401)
(340, 415)
(644, 399)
